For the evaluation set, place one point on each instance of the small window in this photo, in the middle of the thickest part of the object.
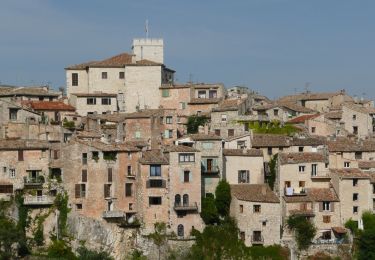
(180, 230)
(186, 176)
(326, 205)
(106, 101)
(202, 94)
(84, 158)
(20, 155)
(182, 105)
(91, 101)
(165, 93)
(355, 210)
(74, 79)
(13, 114)
(241, 208)
(241, 144)
(84, 175)
(137, 134)
(230, 132)
(301, 184)
(104, 75)
(355, 196)
(109, 173)
(275, 112)
(12, 173)
(313, 129)
(78, 206)
(264, 223)
(168, 120)
(346, 164)
(155, 183)
(186, 157)
(269, 150)
(212, 94)
(354, 117)
(217, 132)
(355, 182)
(301, 168)
(128, 189)
(154, 201)
(243, 176)
(4, 169)
(256, 208)
(223, 118)
(326, 219)
(300, 149)
(121, 75)
(155, 170)
(242, 236)
(355, 130)
(358, 155)
(95, 155)
(129, 170)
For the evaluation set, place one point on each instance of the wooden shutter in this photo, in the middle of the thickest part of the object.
(109, 174)
(107, 190)
(78, 190)
(148, 184)
(164, 184)
(55, 154)
(239, 176)
(20, 155)
(84, 175)
(320, 206)
(332, 206)
(247, 176)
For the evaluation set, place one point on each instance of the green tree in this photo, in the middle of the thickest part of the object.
(366, 238)
(209, 212)
(86, 254)
(304, 230)
(194, 122)
(9, 235)
(223, 198)
(60, 249)
(272, 177)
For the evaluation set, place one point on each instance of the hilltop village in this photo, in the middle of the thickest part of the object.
(126, 147)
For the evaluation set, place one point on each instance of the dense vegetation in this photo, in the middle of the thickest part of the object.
(272, 177)
(304, 231)
(194, 122)
(272, 128)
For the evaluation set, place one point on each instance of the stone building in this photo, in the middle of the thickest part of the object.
(28, 93)
(281, 111)
(257, 212)
(94, 103)
(51, 111)
(133, 78)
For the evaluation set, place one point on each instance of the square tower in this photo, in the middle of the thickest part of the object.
(148, 49)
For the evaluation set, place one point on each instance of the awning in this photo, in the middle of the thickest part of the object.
(339, 230)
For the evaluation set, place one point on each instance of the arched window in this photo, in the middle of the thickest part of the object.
(180, 230)
(177, 200)
(185, 200)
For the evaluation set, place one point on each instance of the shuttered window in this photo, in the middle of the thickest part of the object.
(107, 190)
(109, 174)
(20, 155)
(84, 175)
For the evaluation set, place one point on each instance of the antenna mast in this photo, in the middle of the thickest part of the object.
(146, 28)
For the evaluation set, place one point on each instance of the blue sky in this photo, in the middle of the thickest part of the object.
(271, 46)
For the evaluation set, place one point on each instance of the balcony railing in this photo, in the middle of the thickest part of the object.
(114, 214)
(297, 191)
(211, 170)
(257, 240)
(34, 181)
(185, 207)
(38, 200)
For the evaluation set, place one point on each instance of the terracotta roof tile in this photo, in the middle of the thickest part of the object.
(196, 101)
(309, 141)
(153, 157)
(99, 94)
(314, 195)
(311, 96)
(180, 149)
(294, 158)
(302, 119)
(27, 91)
(243, 152)
(270, 140)
(366, 164)
(254, 193)
(202, 137)
(349, 173)
(347, 145)
(110, 147)
(23, 144)
(50, 105)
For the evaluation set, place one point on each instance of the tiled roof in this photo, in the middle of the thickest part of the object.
(202, 137)
(333, 115)
(243, 152)
(180, 149)
(6, 90)
(314, 194)
(50, 105)
(349, 173)
(295, 107)
(294, 158)
(309, 141)
(347, 145)
(99, 94)
(144, 113)
(311, 96)
(302, 119)
(366, 164)
(254, 193)
(339, 230)
(307, 212)
(270, 140)
(237, 137)
(153, 157)
(228, 105)
(23, 144)
(196, 101)
(360, 109)
(116, 117)
(88, 134)
(110, 147)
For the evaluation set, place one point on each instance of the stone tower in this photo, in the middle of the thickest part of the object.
(148, 49)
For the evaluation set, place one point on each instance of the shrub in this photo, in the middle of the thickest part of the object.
(194, 122)
(86, 254)
(304, 230)
(209, 212)
(223, 198)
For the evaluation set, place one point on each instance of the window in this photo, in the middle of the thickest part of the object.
(326, 219)
(155, 170)
(301, 184)
(13, 114)
(230, 132)
(78, 206)
(107, 190)
(241, 144)
(20, 155)
(243, 176)
(355, 130)
(223, 118)
(242, 236)
(168, 120)
(264, 223)
(12, 173)
(4, 169)
(269, 150)
(182, 105)
(106, 101)
(95, 156)
(6, 189)
(300, 149)
(186, 176)
(155, 184)
(74, 79)
(355, 182)
(128, 189)
(177, 200)
(80, 190)
(186, 157)
(121, 75)
(326, 205)
(84, 176)
(165, 93)
(314, 169)
(180, 230)
(313, 129)
(109, 174)
(217, 132)
(346, 164)
(275, 112)
(207, 145)
(185, 200)
(241, 208)
(91, 101)
(212, 94)
(354, 117)
(256, 208)
(104, 75)
(84, 158)
(358, 155)
(129, 170)
(131, 206)
(154, 201)
(202, 94)
(355, 210)
(355, 196)
(137, 134)
(301, 168)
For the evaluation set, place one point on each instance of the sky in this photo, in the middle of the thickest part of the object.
(275, 47)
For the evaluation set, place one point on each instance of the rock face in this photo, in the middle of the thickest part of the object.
(99, 235)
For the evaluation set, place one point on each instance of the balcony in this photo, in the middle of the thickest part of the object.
(38, 200)
(210, 170)
(257, 240)
(297, 191)
(33, 181)
(185, 207)
(113, 214)
(131, 175)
